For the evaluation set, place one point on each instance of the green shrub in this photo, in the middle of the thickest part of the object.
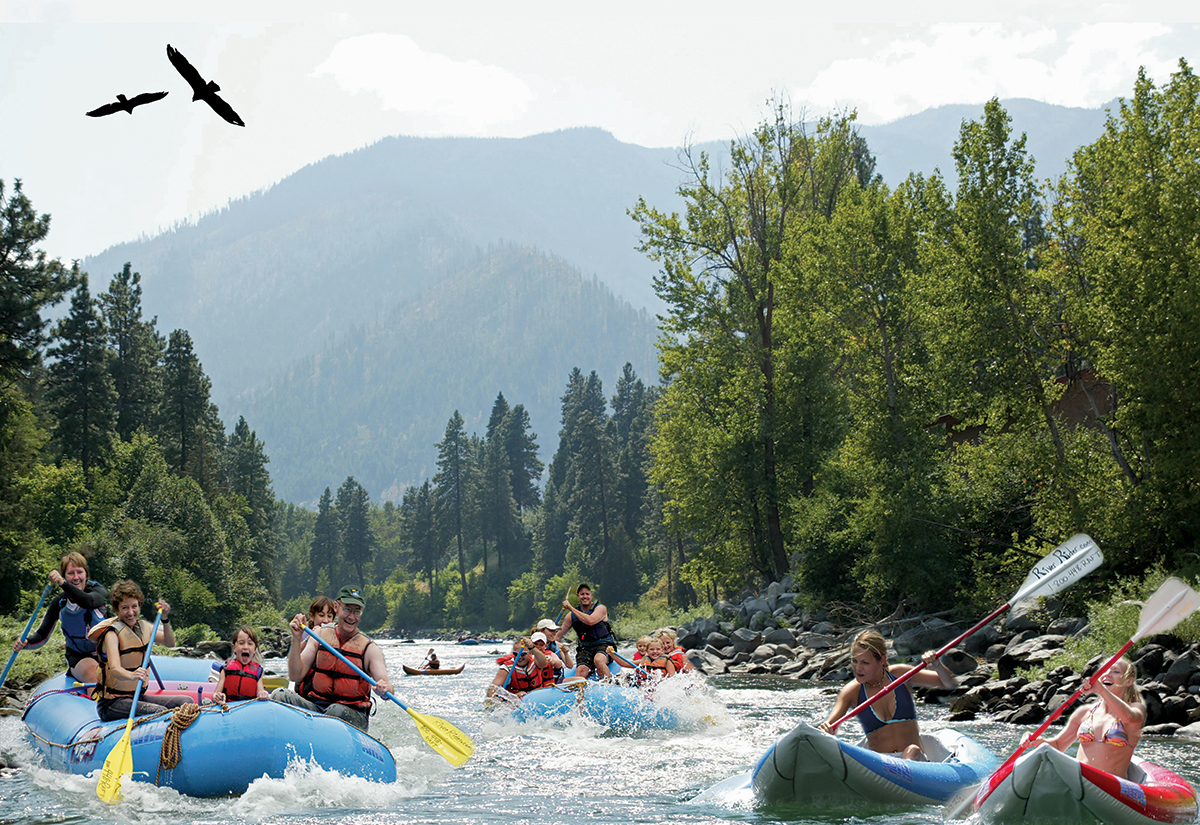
(1114, 621)
(192, 634)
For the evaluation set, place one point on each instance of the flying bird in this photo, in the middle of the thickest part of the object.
(202, 89)
(124, 104)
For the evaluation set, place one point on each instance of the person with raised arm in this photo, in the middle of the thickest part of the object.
(82, 605)
(590, 621)
(890, 723)
(326, 684)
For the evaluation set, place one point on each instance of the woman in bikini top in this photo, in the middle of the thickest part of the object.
(1107, 730)
(890, 723)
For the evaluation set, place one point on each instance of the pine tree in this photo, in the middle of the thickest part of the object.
(451, 485)
(247, 476)
(80, 388)
(323, 552)
(28, 282)
(420, 534)
(525, 469)
(358, 540)
(190, 430)
(138, 350)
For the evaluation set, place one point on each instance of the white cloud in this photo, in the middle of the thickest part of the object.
(457, 96)
(957, 63)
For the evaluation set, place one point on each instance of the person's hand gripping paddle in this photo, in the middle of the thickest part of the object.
(1171, 603)
(451, 743)
(1061, 568)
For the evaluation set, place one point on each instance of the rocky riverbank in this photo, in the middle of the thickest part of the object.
(766, 633)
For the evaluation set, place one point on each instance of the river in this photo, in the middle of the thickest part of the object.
(543, 775)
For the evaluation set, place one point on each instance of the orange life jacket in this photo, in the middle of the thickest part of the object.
(241, 682)
(132, 646)
(330, 680)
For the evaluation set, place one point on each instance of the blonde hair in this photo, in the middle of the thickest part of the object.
(870, 640)
(1133, 694)
(644, 640)
(669, 634)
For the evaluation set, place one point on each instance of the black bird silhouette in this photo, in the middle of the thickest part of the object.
(202, 89)
(124, 104)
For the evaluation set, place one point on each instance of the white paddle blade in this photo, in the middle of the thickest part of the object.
(1171, 603)
(1061, 568)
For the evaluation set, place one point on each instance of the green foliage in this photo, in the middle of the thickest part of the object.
(190, 635)
(1113, 620)
(632, 620)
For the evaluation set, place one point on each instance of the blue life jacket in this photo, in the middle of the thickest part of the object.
(76, 621)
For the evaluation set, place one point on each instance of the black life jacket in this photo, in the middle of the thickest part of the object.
(593, 634)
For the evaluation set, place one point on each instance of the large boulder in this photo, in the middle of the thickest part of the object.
(780, 636)
(1181, 670)
(815, 641)
(1023, 615)
(746, 640)
(717, 639)
(931, 634)
(707, 663)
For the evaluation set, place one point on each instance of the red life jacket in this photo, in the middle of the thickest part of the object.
(678, 658)
(241, 682)
(331, 681)
(528, 677)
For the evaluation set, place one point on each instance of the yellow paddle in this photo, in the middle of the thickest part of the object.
(119, 762)
(453, 745)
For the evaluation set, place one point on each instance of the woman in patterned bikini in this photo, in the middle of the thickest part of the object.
(1107, 730)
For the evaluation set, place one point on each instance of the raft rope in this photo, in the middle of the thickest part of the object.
(172, 747)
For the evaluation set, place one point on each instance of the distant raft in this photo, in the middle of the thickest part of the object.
(221, 752)
(1046, 785)
(810, 767)
(432, 671)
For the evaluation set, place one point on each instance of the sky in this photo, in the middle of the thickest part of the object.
(315, 79)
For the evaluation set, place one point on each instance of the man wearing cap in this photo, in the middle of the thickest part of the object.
(324, 682)
(590, 621)
(563, 652)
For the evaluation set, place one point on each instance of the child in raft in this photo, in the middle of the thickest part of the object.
(642, 642)
(890, 723)
(321, 612)
(656, 665)
(673, 650)
(241, 677)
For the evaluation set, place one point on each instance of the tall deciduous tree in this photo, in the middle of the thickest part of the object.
(80, 388)
(722, 349)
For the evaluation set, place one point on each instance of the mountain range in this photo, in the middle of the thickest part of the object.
(350, 309)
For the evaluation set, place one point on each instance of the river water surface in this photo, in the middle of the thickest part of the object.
(562, 774)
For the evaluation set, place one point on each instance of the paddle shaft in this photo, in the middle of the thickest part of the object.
(137, 691)
(362, 674)
(511, 670)
(1057, 570)
(906, 676)
(1104, 669)
(625, 661)
(25, 632)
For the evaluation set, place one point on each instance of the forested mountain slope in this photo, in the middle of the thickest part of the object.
(374, 404)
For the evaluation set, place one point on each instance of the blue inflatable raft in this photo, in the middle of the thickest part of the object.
(222, 752)
(810, 767)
